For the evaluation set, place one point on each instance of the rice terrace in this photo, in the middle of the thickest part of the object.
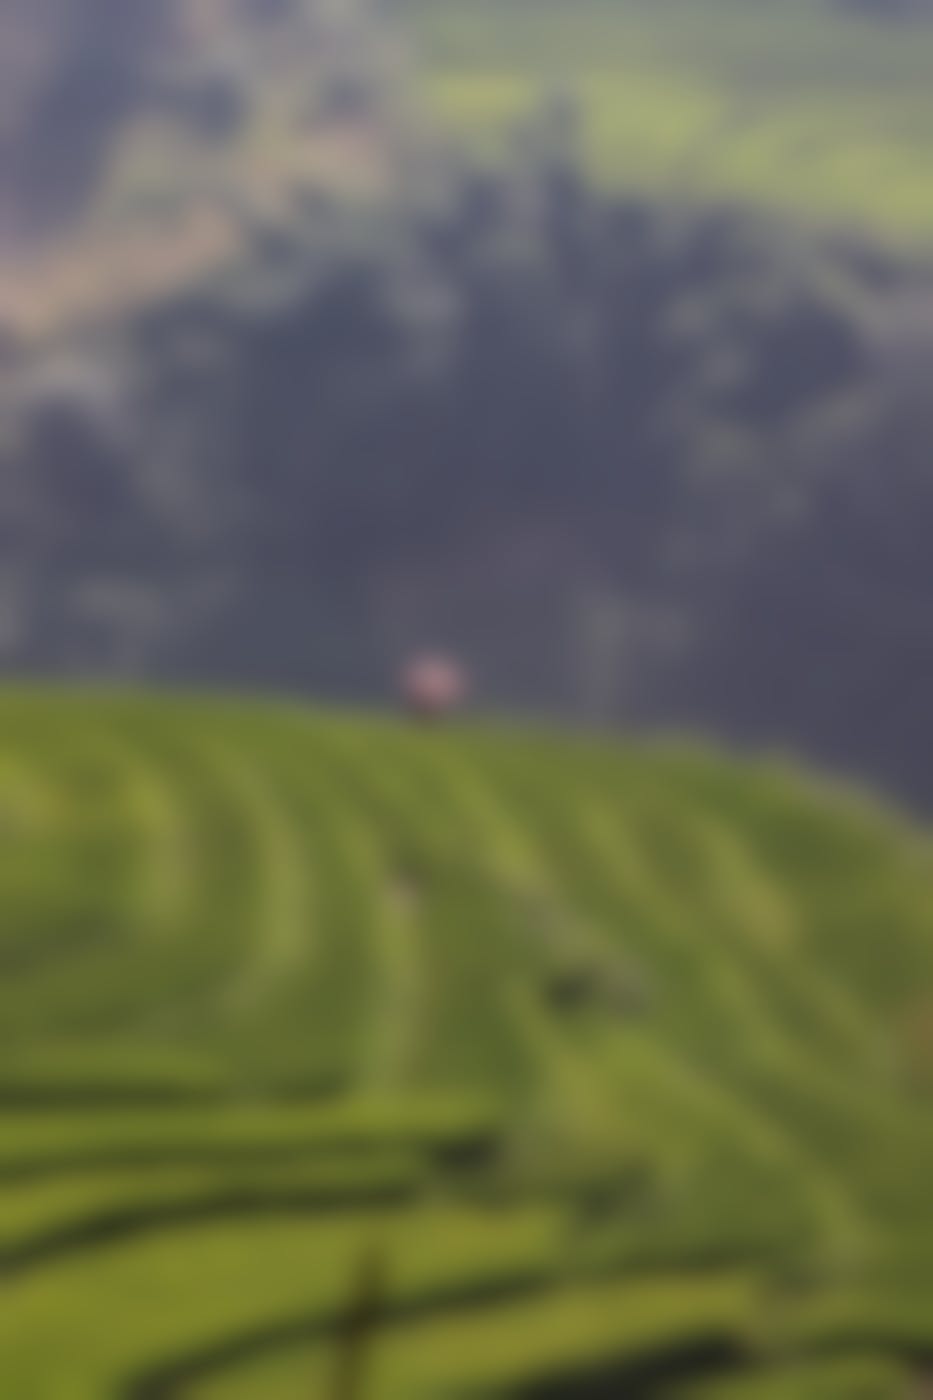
(344, 1057)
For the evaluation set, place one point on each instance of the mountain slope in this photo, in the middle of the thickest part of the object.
(805, 106)
(556, 1066)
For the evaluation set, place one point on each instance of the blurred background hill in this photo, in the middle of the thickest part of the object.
(593, 340)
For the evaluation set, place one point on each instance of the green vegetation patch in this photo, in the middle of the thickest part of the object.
(491, 1064)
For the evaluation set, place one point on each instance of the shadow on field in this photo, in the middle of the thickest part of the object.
(168, 1381)
(114, 1226)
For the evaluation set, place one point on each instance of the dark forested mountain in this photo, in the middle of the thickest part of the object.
(636, 464)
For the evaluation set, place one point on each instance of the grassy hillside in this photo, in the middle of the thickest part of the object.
(563, 1065)
(805, 106)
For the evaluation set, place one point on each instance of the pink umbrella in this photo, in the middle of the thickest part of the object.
(433, 685)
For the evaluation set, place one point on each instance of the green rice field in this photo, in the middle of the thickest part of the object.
(343, 1057)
